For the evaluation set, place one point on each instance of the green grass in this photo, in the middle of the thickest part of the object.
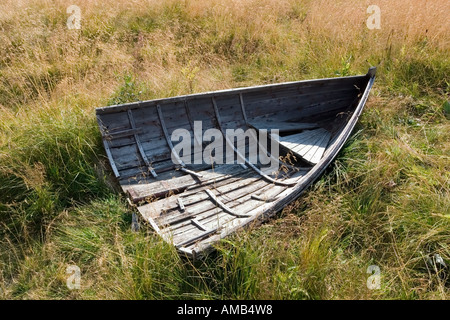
(384, 201)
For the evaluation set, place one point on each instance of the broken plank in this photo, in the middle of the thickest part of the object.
(160, 188)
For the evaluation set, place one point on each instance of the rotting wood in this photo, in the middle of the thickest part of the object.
(138, 143)
(166, 134)
(242, 157)
(198, 208)
(224, 206)
(309, 145)
(107, 149)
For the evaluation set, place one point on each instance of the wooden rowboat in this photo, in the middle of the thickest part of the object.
(194, 204)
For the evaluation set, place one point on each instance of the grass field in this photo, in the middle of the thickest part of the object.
(384, 201)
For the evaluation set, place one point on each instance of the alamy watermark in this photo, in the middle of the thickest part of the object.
(229, 147)
(74, 277)
(374, 20)
(373, 281)
(74, 20)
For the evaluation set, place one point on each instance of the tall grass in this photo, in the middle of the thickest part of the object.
(384, 201)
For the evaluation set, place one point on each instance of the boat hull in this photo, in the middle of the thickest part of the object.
(196, 184)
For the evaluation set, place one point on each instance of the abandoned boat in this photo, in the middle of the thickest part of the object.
(199, 167)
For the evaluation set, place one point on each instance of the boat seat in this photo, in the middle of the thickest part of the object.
(309, 145)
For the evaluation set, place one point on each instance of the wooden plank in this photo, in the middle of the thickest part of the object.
(190, 196)
(212, 218)
(147, 119)
(303, 146)
(166, 168)
(108, 150)
(132, 175)
(139, 145)
(111, 159)
(206, 218)
(175, 116)
(282, 126)
(300, 86)
(224, 222)
(123, 133)
(314, 155)
(199, 225)
(121, 141)
(307, 145)
(113, 122)
(229, 109)
(244, 113)
(319, 110)
(304, 113)
(219, 124)
(192, 173)
(201, 202)
(215, 219)
(198, 140)
(301, 143)
(242, 157)
(295, 138)
(196, 238)
(181, 204)
(157, 189)
(261, 148)
(213, 212)
(223, 205)
(127, 157)
(297, 102)
(166, 134)
(147, 178)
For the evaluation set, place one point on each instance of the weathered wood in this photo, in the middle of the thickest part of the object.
(296, 102)
(223, 205)
(261, 148)
(157, 189)
(192, 196)
(122, 134)
(242, 157)
(194, 205)
(200, 204)
(199, 224)
(281, 126)
(181, 204)
(232, 194)
(139, 145)
(197, 139)
(203, 207)
(195, 238)
(107, 149)
(211, 212)
(244, 113)
(301, 86)
(314, 155)
(127, 157)
(166, 134)
(309, 145)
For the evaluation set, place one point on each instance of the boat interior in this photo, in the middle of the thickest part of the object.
(192, 204)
